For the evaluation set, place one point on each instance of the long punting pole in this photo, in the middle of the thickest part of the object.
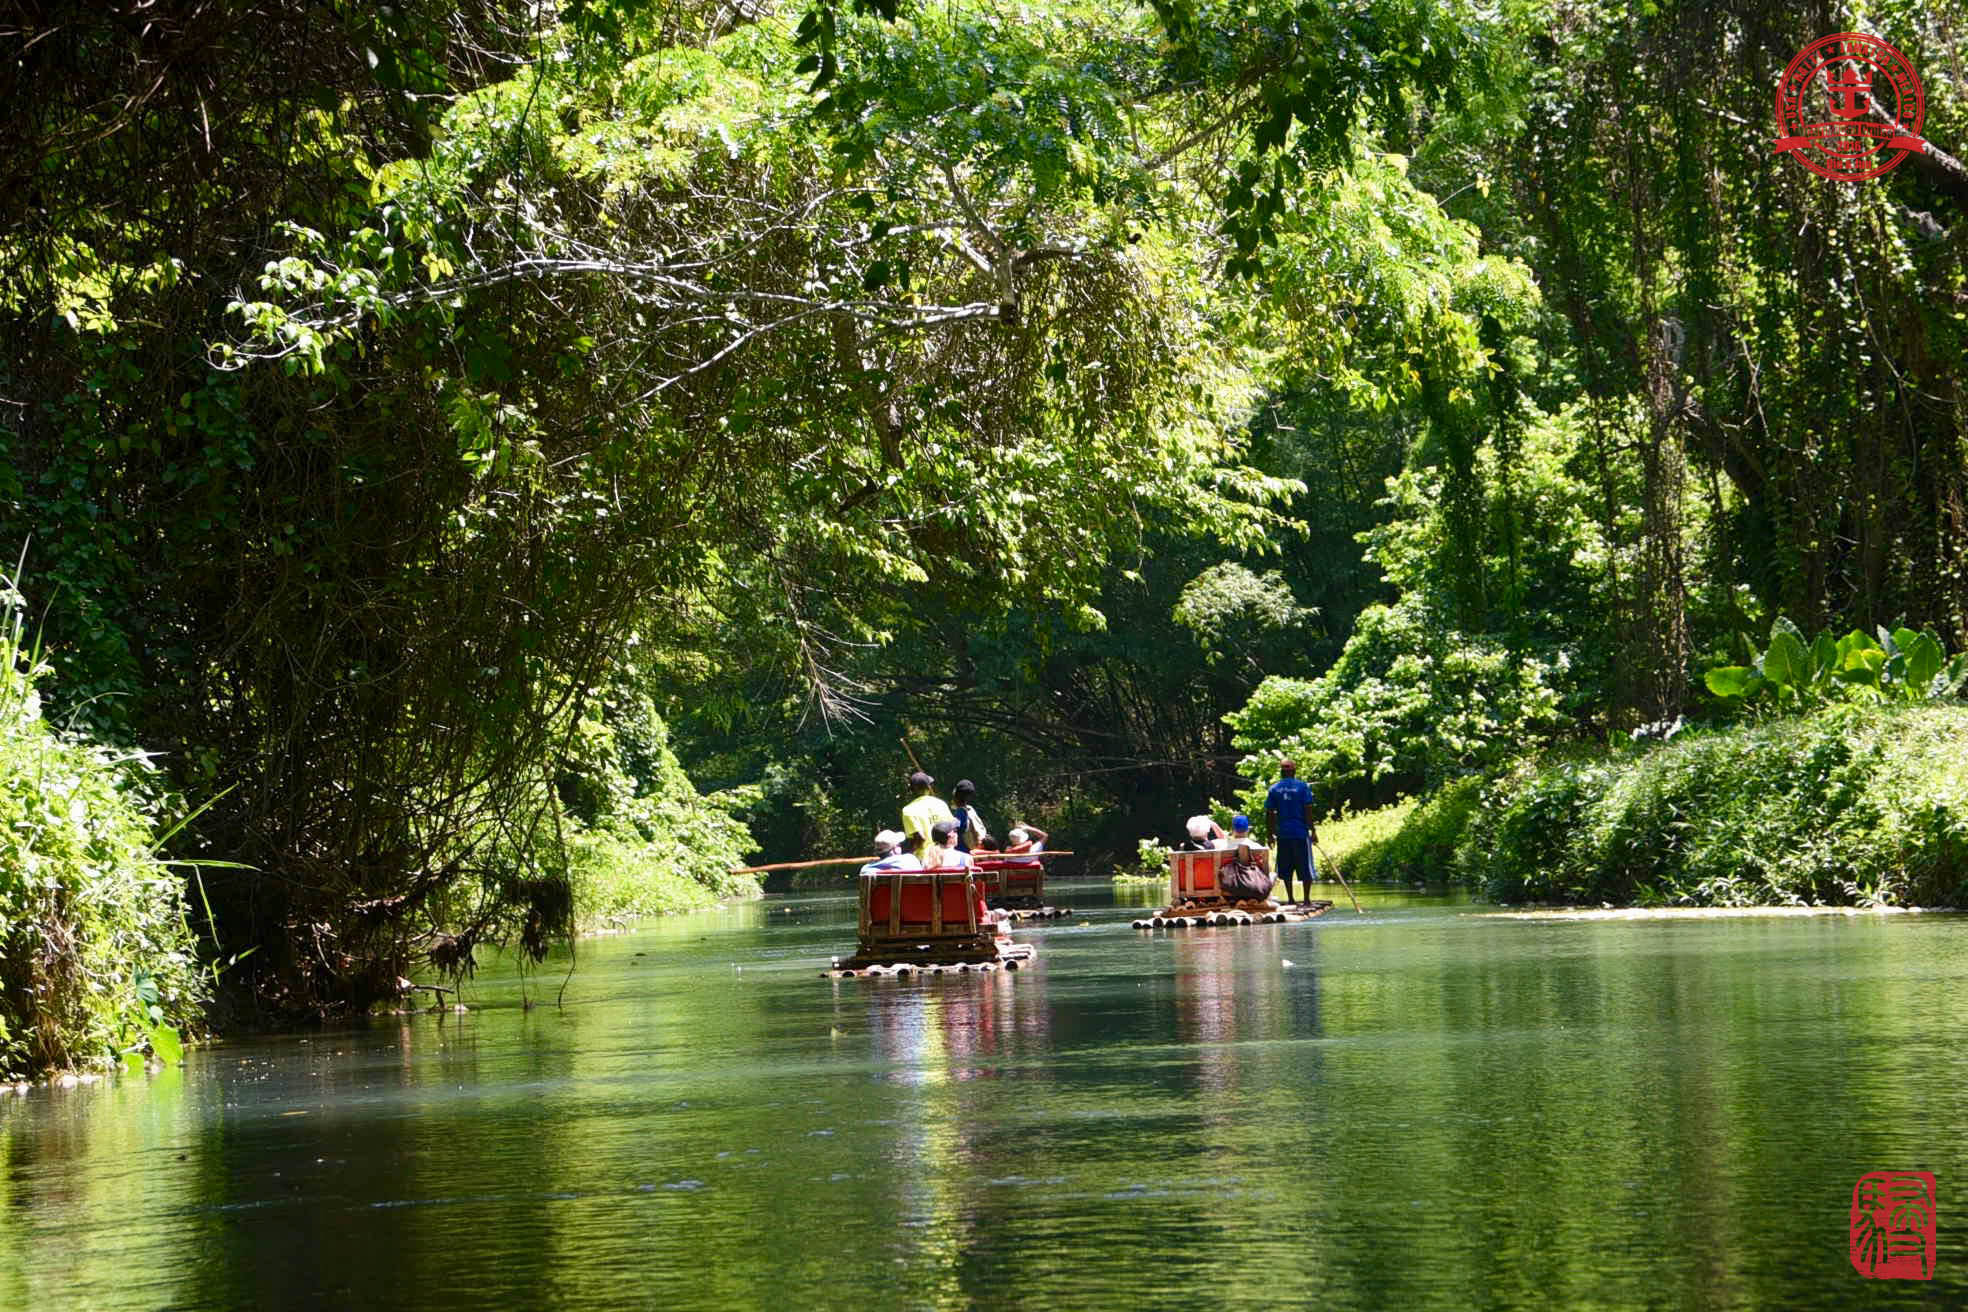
(862, 861)
(1342, 877)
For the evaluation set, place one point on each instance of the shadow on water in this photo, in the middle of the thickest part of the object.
(1425, 1106)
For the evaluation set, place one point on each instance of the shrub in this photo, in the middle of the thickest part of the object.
(1850, 806)
(1411, 697)
(641, 840)
(1414, 839)
(1794, 673)
(97, 962)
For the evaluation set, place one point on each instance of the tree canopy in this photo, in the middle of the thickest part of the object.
(411, 410)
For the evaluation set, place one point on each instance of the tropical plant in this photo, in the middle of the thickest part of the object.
(1850, 804)
(97, 960)
(1793, 673)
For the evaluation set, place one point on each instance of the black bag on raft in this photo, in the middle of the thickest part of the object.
(1244, 881)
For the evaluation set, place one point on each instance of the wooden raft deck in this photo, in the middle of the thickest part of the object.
(930, 959)
(1196, 899)
(927, 922)
(1235, 913)
(1016, 885)
(1035, 913)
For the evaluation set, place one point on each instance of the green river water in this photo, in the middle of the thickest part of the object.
(1433, 1105)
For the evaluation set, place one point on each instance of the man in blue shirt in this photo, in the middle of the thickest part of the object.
(1288, 817)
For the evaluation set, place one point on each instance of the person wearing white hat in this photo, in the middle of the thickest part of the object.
(1204, 833)
(1025, 838)
(889, 854)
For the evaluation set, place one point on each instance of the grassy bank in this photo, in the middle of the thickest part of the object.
(1408, 841)
(1848, 807)
(618, 882)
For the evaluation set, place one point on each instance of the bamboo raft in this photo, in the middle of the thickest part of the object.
(1238, 913)
(1016, 885)
(927, 922)
(1197, 900)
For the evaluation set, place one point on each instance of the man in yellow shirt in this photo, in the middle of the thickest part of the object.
(921, 815)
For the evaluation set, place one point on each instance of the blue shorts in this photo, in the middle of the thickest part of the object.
(1291, 856)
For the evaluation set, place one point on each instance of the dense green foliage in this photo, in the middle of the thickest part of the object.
(639, 361)
(1792, 673)
(97, 961)
(1413, 841)
(1846, 806)
(460, 431)
(639, 839)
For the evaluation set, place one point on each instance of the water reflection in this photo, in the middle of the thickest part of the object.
(1423, 1108)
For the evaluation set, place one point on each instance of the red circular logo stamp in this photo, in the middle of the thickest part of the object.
(1847, 100)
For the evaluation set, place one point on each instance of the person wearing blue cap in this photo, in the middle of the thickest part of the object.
(1288, 815)
(1244, 878)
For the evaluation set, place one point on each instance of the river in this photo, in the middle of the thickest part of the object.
(1432, 1105)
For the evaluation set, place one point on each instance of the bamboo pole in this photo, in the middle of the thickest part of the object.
(864, 860)
(1342, 875)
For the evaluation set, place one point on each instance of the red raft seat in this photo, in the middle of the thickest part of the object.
(1192, 875)
(927, 920)
(916, 904)
(1012, 881)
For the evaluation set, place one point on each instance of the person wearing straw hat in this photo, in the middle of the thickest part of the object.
(1026, 838)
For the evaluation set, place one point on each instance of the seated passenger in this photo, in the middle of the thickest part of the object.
(889, 855)
(942, 854)
(1240, 833)
(1025, 839)
(1204, 834)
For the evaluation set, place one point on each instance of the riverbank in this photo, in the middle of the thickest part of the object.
(1851, 806)
(617, 885)
(97, 960)
(1695, 913)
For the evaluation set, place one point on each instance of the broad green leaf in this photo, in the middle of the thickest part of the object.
(1851, 644)
(1923, 661)
(1730, 680)
(1787, 662)
(1824, 656)
(1863, 667)
(165, 1044)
